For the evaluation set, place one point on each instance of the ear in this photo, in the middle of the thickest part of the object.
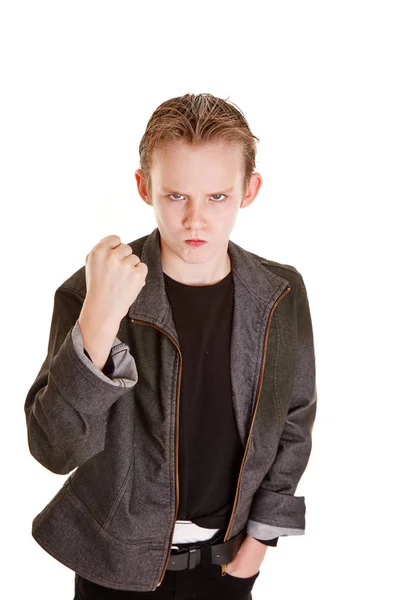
(142, 187)
(253, 188)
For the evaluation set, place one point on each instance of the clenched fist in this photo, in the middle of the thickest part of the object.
(114, 278)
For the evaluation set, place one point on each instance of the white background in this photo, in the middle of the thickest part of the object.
(319, 84)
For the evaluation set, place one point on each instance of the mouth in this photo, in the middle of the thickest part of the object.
(195, 242)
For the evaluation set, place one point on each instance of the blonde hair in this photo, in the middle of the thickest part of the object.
(197, 118)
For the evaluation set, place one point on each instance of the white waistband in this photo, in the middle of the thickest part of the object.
(187, 532)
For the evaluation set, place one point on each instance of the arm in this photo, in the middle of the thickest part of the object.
(68, 404)
(275, 510)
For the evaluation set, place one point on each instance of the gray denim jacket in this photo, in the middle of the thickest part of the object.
(112, 520)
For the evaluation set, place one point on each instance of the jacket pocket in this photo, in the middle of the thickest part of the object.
(125, 520)
(117, 501)
(98, 491)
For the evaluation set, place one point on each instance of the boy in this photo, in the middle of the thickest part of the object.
(179, 379)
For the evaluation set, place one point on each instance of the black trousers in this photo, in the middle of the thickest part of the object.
(204, 582)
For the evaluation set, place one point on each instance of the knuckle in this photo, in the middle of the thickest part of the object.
(98, 247)
(112, 240)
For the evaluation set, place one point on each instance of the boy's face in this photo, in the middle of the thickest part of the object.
(196, 193)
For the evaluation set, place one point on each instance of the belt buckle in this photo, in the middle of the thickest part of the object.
(194, 555)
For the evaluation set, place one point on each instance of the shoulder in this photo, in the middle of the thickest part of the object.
(288, 272)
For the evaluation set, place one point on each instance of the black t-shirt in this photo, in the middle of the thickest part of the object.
(210, 450)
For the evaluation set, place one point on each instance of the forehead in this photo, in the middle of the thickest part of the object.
(180, 163)
(210, 158)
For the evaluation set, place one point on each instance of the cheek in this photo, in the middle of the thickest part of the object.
(231, 214)
(166, 213)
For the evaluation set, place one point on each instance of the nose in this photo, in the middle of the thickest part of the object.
(194, 216)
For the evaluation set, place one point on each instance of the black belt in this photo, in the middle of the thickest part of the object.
(205, 553)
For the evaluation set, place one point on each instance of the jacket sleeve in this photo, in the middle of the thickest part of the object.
(68, 404)
(275, 510)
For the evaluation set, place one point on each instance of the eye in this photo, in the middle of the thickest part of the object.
(218, 201)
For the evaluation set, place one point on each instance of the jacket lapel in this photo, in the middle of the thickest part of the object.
(255, 290)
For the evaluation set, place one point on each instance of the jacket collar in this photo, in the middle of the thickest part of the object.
(255, 286)
(255, 290)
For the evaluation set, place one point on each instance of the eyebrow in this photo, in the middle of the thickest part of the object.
(170, 190)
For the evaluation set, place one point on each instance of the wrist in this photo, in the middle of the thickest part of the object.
(97, 338)
(92, 319)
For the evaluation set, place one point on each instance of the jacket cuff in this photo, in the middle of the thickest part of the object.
(91, 390)
(264, 531)
(272, 542)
